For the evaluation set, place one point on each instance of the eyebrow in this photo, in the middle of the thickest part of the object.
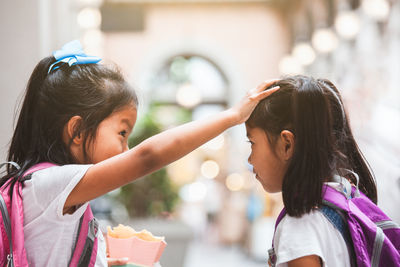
(127, 122)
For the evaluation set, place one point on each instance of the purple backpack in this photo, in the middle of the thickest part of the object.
(12, 249)
(372, 237)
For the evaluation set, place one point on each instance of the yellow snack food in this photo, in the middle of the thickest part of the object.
(122, 231)
(146, 235)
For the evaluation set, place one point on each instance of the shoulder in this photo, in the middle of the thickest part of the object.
(58, 174)
(53, 181)
(49, 183)
(313, 222)
(310, 234)
(48, 189)
(312, 218)
(62, 169)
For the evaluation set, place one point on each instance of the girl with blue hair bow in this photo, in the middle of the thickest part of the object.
(78, 115)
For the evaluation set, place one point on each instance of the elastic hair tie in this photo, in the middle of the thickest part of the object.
(72, 54)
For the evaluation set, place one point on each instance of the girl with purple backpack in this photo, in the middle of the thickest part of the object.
(70, 143)
(302, 146)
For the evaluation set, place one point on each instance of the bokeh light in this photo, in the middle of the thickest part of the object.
(290, 65)
(89, 18)
(234, 182)
(347, 24)
(377, 9)
(324, 40)
(304, 53)
(193, 192)
(188, 95)
(210, 169)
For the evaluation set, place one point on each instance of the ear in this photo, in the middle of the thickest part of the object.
(71, 128)
(287, 141)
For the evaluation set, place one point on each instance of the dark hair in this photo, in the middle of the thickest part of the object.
(312, 109)
(91, 91)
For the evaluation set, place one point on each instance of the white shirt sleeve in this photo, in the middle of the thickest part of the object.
(49, 235)
(49, 189)
(311, 234)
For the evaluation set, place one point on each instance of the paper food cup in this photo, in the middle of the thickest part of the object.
(140, 252)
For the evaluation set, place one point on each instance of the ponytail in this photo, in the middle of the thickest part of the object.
(352, 157)
(26, 126)
(24, 131)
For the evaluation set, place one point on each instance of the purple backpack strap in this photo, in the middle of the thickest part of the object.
(85, 250)
(271, 251)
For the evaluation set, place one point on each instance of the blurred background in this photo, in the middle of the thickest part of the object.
(190, 59)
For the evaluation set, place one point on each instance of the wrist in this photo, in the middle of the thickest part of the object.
(232, 117)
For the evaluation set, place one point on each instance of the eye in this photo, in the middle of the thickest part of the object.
(251, 143)
(123, 133)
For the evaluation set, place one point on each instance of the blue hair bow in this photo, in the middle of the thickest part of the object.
(72, 54)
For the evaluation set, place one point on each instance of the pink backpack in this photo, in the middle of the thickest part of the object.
(12, 250)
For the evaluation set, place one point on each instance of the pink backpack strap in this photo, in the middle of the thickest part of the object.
(38, 167)
(85, 250)
(86, 245)
(17, 219)
(17, 233)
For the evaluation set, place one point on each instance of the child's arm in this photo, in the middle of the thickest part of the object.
(161, 149)
(306, 261)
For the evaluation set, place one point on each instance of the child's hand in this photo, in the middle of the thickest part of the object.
(246, 106)
(121, 261)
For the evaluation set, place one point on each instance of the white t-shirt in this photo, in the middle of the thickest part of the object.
(49, 235)
(311, 234)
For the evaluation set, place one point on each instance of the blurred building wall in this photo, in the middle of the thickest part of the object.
(244, 40)
(20, 48)
(29, 30)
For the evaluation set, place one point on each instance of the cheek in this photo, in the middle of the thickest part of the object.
(268, 167)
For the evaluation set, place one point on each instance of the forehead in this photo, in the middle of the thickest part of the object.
(126, 114)
(254, 132)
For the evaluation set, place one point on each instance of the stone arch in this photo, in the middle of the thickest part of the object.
(163, 52)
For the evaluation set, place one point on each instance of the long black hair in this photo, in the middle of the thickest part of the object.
(91, 91)
(312, 109)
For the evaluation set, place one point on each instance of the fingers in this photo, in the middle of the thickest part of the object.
(264, 85)
(120, 261)
(265, 93)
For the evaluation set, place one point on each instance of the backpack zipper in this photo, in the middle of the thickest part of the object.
(89, 243)
(10, 260)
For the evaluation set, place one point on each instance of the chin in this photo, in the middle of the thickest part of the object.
(270, 189)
